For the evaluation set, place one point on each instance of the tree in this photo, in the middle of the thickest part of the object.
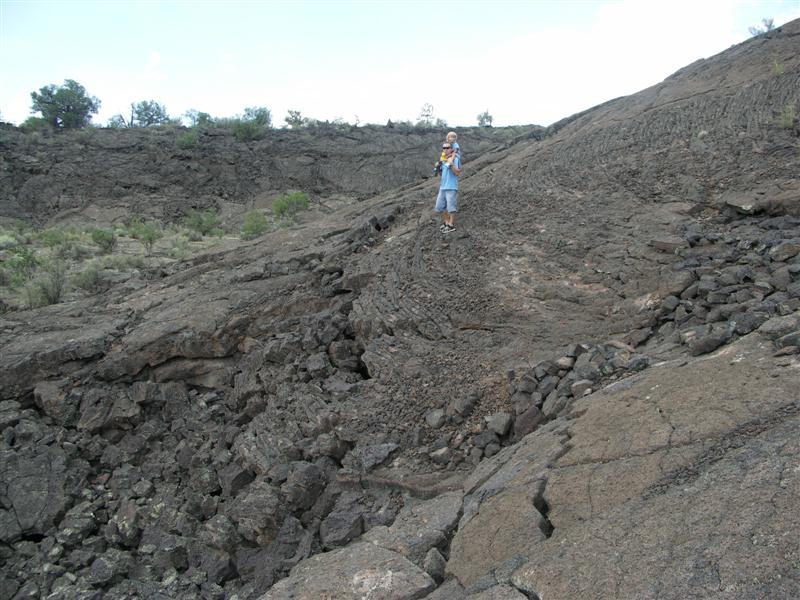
(259, 115)
(485, 119)
(766, 25)
(294, 119)
(65, 107)
(147, 113)
(426, 115)
(198, 119)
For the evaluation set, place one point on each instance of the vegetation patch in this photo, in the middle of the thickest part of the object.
(203, 222)
(287, 206)
(255, 224)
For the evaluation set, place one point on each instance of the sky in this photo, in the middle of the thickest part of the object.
(525, 62)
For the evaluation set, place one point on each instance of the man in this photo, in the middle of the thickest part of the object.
(447, 200)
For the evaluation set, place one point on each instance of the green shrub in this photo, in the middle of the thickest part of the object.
(255, 223)
(21, 264)
(106, 239)
(288, 205)
(5, 278)
(187, 141)
(49, 286)
(8, 240)
(147, 232)
(35, 124)
(52, 237)
(122, 262)
(248, 131)
(204, 222)
(180, 248)
(89, 279)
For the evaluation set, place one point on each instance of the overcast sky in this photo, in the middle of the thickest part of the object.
(524, 62)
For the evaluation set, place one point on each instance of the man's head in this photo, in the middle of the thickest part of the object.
(448, 149)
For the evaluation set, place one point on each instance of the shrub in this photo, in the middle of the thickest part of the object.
(187, 141)
(8, 240)
(147, 232)
(288, 205)
(35, 125)
(106, 239)
(255, 223)
(248, 131)
(52, 237)
(21, 264)
(121, 263)
(788, 116)
(72, 250)
(89, 279)
(204, 222)
(49, 286)
(180, 248)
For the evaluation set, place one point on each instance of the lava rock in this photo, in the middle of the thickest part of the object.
(500, 423)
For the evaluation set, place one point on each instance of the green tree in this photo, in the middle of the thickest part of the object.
(147, 113)
(485, 119)
(198, 118)
(295, 120)
(148, 233)
(65, 107)
(259, 115)
(766, 25)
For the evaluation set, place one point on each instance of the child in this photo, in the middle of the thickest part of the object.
(450, 142)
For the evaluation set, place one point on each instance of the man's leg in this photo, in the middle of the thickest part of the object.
(452, 207)
(441, 207)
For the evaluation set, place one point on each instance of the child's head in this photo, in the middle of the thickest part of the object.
(451, 137)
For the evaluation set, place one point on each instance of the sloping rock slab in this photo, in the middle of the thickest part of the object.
(360, 571)
(676, 492)
(418, 528)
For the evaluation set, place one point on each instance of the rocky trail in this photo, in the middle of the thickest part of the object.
(588, 390)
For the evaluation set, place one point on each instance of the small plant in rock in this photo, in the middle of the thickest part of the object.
(105, 239)
(777, 68)
(147, 232)
(288, 205)
(255, 223)
(205, 222)
(788, 116)
(187, 141)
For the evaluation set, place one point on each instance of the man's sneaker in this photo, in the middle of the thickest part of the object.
(449, 228)
(443, 227)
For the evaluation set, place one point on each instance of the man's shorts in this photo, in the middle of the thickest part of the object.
(447, 199)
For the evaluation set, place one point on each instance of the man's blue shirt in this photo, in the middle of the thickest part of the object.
(450, 179)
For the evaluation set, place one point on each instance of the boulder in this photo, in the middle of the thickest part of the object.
(358, 571)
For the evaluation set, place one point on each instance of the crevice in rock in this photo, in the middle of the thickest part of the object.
(541, 505)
